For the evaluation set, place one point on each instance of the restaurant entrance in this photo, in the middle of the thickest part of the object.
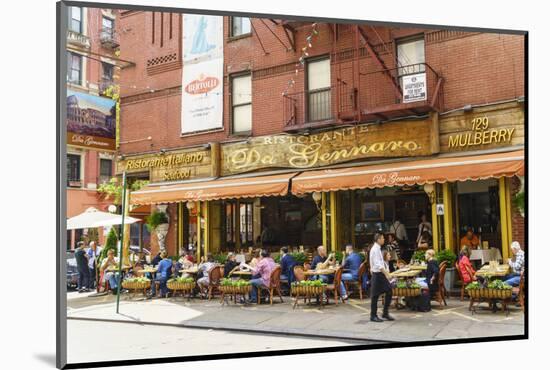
(361, 213)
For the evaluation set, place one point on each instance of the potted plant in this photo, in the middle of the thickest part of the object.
(450, 274)
(299, 257)
(419, 256)
(158, 222)
(183, 284)
(495, 289)
(406, 289)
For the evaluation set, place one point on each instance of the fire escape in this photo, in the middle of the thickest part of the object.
(365, 86)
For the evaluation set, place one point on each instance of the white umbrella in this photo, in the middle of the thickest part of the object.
(92, 218)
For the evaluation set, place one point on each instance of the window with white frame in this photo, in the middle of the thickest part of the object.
(411, 56)
(74, 68)
(318, 86)
(75, 19)
(240, 26)
(241, 99)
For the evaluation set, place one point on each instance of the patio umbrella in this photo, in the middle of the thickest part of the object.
(92, 218)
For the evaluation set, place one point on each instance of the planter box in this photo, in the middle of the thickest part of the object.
(133, 285)
(405, 292)
(307, 290)
(486, 293)
(232, 289)
(178, 286)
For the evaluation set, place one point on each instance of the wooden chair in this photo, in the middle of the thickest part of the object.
(335, 286)
(520, 291)
(299, 273)
(215, 275)
(274, 285)
(461, 279)
(358, 283)
(440, 294)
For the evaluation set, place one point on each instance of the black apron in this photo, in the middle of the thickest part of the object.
(379, 284)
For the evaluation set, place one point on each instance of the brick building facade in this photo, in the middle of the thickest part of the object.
(91, 45)
(466, 72)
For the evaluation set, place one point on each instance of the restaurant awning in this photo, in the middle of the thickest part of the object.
(230, 188)
(415, 172)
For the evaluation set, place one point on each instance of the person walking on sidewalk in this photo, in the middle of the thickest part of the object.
(82, 266)
(380, 280)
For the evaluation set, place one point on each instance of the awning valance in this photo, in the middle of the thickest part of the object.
(246, 187)
(415, 172)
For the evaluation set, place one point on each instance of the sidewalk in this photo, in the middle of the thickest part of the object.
(344, 321)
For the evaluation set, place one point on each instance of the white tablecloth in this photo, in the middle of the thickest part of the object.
(485, 255)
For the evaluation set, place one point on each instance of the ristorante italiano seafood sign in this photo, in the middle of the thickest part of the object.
(396, 139)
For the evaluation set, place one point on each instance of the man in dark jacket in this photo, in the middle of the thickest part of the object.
(351, 265)
(287, 265)
(82, 267)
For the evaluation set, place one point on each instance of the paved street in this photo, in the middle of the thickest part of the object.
(136, 341)
(345, 321)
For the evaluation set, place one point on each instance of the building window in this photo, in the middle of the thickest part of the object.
(105, 170)
(75, 19)
(73, 170)
(318, 86)
(410, 56)
(74, 68)
(241, 100)
(240, 26)
(246, 224)
(107, 71)
(107, 25)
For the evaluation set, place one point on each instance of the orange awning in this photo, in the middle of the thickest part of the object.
(245, 187)
(412, 172)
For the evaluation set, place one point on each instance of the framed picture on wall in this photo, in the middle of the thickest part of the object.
(373, 211)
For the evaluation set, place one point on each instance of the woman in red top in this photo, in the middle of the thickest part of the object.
(465, 266)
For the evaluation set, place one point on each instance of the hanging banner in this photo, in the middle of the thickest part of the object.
(202, 85)
(414, 88)
(91, 121)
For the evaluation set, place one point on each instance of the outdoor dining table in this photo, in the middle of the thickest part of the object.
(418, 267)
(191, 270)
(406, 273)
(487, 271)
(328, 271)
(150, 270)
(241, 273)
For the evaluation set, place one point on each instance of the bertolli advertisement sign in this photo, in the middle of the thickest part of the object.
(202, 91)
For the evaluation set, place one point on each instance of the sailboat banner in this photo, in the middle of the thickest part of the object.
(202, 85)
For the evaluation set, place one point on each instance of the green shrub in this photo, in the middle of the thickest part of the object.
(473, 285)
(184, 280)
(498, 284)
(446, 255)
(220, 258)
(155, 219)
(419, 256)
(110, 244)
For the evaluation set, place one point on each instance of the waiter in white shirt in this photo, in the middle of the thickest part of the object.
(380, 280)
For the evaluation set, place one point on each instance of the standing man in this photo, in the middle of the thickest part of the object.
(93, 254)
(380, 280)
(82, 266)
(399, 230)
